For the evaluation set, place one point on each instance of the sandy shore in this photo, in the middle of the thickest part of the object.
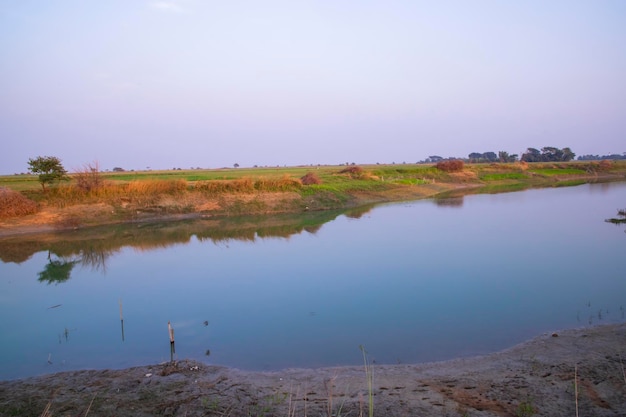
(551, 375)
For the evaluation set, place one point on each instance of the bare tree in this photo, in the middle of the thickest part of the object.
(88, 177)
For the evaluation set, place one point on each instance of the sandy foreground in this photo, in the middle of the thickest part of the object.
(555, 374)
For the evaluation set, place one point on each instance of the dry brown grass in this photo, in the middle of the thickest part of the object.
(14, 204)
(143, 191)
(284, 183)
(310, 178)
(464, 176)
(242, 185)
(605, 165)
(248, 185)
(450, 165)
(88, 177)
(354, 171)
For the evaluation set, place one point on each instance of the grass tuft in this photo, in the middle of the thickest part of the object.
(370, 381)
(13, 204)
(310, 178)
(450, 165)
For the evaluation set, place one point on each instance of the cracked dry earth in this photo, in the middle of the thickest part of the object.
(555, 374)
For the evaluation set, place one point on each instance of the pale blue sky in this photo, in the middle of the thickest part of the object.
(204, 83)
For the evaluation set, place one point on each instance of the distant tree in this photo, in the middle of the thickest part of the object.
(568, 155)
(490, 156)
(613, 156)
(482, 157)
(434, 158)
(49, 169)
(531, 155)
(548, 154)
(505, 157)
(236, 165)
(551, 154)
(475, 156)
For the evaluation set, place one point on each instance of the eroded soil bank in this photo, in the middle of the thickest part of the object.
(555, 374)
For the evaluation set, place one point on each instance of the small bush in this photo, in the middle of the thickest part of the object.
(605, 165)
(311, 178)
(14, 204)
(454, 165)
(353, 171)
(88, 177)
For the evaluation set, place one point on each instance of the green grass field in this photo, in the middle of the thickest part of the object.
(369, 178)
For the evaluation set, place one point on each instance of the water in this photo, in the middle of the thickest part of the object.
(412, 282)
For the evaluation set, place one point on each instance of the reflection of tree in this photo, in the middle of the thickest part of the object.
(95, 258)
(57, 271)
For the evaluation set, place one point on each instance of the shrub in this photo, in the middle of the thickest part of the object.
(605, 165)
(450, 165)
(354, 171)
(13, 204)
(88, 177)
(311, 178)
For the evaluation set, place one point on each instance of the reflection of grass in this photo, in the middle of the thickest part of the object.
(570, 183)
(92, 247)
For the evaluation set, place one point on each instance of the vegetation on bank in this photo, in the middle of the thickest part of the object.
(125, 196)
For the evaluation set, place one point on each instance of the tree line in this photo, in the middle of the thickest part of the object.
(613, 156)
(546, 154)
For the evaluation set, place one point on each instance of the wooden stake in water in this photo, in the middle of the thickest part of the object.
(122, 319)
(170, 330)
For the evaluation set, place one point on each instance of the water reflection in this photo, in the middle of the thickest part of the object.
(56, 270)
(92, 248)
(450, 201)
(620, 219)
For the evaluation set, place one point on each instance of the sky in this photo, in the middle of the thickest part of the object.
(143, 84)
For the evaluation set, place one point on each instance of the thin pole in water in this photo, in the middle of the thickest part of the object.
(170, 330)
(122, 319)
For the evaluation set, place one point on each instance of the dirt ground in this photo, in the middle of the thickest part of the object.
(568, 373)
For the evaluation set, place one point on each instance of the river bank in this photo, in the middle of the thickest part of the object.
(555, 374)
(62, 210)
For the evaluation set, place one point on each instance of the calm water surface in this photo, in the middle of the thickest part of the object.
(412, 282)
